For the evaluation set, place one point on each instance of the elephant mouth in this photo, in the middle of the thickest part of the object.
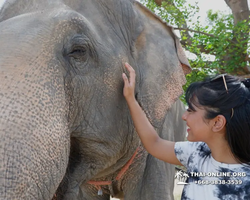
(104, 184)
(124, 169)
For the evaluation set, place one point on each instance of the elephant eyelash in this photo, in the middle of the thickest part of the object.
(78, 51)
(82, 50)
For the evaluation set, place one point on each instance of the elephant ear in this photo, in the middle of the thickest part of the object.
(161, 64)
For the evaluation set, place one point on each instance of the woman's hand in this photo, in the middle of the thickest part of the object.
(129, 84)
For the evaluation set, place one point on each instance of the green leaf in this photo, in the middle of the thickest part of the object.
(229, 45)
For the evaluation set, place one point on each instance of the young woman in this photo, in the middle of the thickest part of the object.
(217, 153)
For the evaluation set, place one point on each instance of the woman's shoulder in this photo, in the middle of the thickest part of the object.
(192, 149)
(203, 149)
(195, 146)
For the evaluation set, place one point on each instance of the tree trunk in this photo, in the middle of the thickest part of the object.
(240, 11)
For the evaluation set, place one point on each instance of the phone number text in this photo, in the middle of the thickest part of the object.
(218, 182)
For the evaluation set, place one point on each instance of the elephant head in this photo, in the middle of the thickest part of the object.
(63, 118)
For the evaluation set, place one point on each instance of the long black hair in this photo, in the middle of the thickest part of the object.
(228, 96)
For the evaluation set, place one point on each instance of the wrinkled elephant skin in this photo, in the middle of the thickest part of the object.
(63, 118)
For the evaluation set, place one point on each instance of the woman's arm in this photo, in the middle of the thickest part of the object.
(157, 147)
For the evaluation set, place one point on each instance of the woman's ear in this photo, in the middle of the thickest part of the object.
(219, 123)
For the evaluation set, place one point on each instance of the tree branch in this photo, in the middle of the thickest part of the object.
(201, 47)
(187, 29)
(245, 76)
(184, 26)
(240, 12)
(248, 58)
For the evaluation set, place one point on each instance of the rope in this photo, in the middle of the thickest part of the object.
(98, 184)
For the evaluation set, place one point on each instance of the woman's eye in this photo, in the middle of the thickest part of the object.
(189, 110)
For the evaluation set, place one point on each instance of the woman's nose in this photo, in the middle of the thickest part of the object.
(184, 116)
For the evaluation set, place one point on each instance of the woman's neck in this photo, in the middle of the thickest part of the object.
(221, 152)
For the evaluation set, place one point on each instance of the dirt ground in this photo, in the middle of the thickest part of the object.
(177, 191)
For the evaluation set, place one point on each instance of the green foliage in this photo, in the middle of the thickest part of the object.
(220, 38)
(195, 75)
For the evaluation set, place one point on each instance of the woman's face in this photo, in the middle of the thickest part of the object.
(199, 129)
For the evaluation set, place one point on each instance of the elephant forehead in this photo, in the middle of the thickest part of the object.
(110, 23)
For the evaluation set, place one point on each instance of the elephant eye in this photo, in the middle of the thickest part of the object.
(78, 52)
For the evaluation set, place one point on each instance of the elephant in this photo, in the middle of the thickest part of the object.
(66, 131)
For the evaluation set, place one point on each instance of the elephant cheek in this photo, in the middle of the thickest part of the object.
(170, 92)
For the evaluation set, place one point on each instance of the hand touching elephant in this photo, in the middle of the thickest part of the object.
(65, 127)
